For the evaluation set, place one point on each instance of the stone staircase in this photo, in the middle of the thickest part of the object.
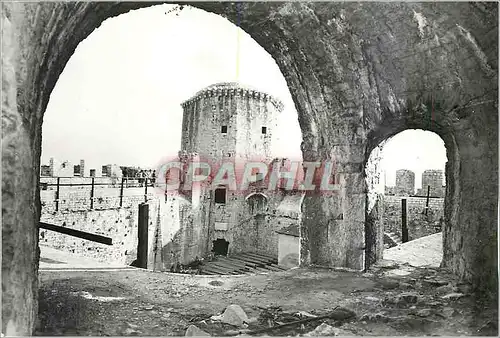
(242, 263)
(392, 239)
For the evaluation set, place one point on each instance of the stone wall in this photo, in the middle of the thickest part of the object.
(189, 229)
(50, 183)
(434, 179)
(174, 212)
(179, 231)
(288, 251)
(104, 198)
(224, 122)
(405, 182)
(242, 111)
(120, 225)
(106, 218)
(419, 224)
(258, 233)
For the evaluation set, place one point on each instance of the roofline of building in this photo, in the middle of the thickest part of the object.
(233, 89)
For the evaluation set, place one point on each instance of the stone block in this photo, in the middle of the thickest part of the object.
(234, 315)
(325, 330)
(353, 206)
(194, 331)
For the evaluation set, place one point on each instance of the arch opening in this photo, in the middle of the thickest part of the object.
(257, 203)
(408, 176)
(139, 73)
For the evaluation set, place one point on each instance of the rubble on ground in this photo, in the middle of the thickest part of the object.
(235, 315)
(193, 330)
(453, 296)
(321, 303)
(325, 330)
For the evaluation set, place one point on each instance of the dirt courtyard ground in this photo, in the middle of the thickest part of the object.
(390, 300)
(426, 250)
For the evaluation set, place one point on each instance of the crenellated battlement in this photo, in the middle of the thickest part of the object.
(233, 89)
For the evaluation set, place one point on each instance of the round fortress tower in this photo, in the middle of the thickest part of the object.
(230, 120)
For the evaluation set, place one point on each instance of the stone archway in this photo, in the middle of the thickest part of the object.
(443, 126)
(257, 203)
(357, 74)
(374, 225)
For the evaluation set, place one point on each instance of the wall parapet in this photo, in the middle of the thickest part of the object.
(419, 222)
(234, 90)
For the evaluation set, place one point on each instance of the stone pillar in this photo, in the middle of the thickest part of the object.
(20, 199)
(333, 228)
(374, 226)
(470, 233)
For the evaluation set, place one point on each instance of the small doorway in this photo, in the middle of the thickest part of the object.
(220, 247)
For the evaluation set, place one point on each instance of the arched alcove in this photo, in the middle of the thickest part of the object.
(257, 203)
(398, 176)
(422, 119)
(126, 88)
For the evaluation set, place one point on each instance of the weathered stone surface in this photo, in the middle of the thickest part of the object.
(388, 284)
(435, 282)
(424, 312)
(449, 312)
(193, 330)
(325, 330)
(407, 298)
(453, 296)
(409, 323)
(234, 315)
(374, 317)
(131, 332)
(236, 332)
(419, 224)
(372, 299)
(448, 288)
(403, 299)
(358, 73)
(435, 304)
(20, 207)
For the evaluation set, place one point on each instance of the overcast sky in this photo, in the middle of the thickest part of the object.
(416, 150)
(118, 98)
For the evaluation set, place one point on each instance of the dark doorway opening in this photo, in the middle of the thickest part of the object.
(220, 196)
(220, 247)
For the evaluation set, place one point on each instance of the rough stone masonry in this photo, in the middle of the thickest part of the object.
(358, 74)
(225, 123)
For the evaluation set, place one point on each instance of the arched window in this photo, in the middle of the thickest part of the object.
(257, 203)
